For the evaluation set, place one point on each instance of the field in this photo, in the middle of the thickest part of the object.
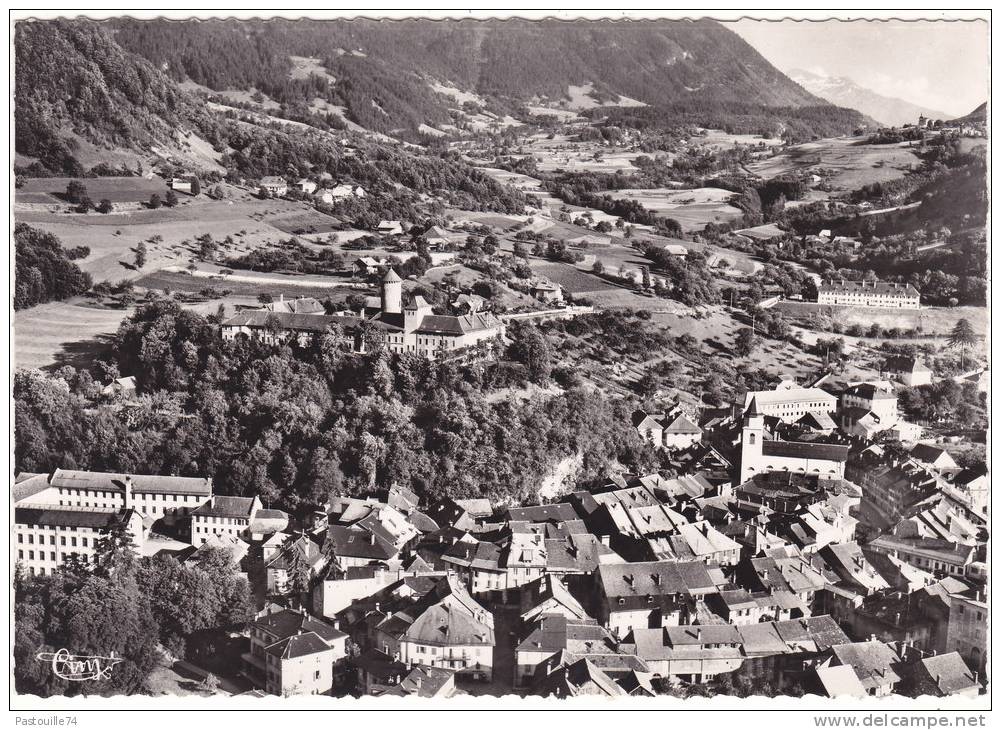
(692, 208)
(61, 333)
(113, 238)
(719, 138)
(931, 320)
(49, 190)
(854, 165)
(243, 288)
(305, 222)
(572, 279)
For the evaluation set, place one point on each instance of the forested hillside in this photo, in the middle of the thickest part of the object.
(383, 68)
(71, 79)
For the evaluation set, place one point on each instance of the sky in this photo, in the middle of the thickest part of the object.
(940, 65)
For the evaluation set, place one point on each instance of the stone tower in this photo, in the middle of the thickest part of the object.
(392, 293)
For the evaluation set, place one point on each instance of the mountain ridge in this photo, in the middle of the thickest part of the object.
(843, 91)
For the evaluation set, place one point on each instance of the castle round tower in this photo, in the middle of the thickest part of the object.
(392, 293)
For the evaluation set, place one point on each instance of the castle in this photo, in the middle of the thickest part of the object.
(415, 328)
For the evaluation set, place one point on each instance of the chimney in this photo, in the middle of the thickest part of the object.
(337, 623)
(127, 494)
(376, 605)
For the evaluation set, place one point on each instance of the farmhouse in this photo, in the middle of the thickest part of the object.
(910, 371)
(275, 186)
(389, 228)
(306, 186)
(181, 184)
(547, 292)
(674, 249)
(370, 266)
(438, 238)
(875, 294)
(124, 387)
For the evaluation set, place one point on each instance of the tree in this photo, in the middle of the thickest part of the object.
(86, 204)
(115, 550)
(196, 186)
(745, 342)
(962, 338)
(140, 254)
(154, 201)
(598, 267)
(531, 348)
(170, 200)
(298, 569)
(105, 206)
(646, 277)
(75, 191)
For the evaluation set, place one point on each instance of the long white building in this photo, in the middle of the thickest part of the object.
(789, 402)
(876, 294)
(46, 536)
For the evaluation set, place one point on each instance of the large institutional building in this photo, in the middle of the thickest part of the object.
(789, 402)
(868, 294)
(413, 328)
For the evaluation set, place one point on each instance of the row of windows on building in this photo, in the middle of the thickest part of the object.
(140, 496)
(221, 520)
(52, 557)
(52, 540)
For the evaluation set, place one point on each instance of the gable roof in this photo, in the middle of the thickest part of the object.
(115, 482)
(805, 450)
(873, 662)
(69, 517)
(286, 623)
(443, 625)
(840, 681)
(297, 646)
(629, 585)
(945, 674)
(220, 506)
(559, 511)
